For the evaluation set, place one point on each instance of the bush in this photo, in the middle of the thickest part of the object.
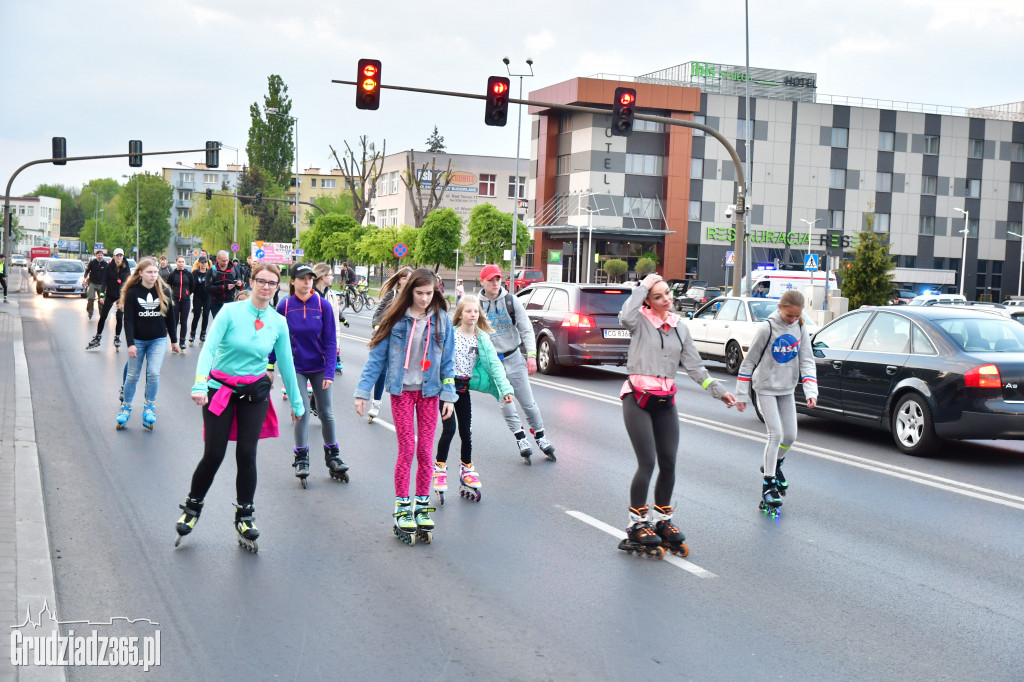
(616, 268)
(644, 267)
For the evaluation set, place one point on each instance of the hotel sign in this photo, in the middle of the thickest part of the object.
(722, 72)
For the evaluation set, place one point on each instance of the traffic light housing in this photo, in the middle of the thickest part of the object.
(135, 153)
(209, 194)
(623, 109)
(368, 84)
(258, 198)
(212, 154)
(496, 113)
(60, 151)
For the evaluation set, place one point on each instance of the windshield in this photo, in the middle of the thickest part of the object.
(985, 335)
(65, 266)
(606, 302)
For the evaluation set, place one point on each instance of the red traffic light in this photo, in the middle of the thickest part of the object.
(496, 111)
(627, 98)
(622, 111)
(369, 70)
(368, 92)
(499, 88)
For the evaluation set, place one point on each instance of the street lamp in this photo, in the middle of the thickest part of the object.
(235, 190)
(963, 260)
(810, 229)
(274, 111)
(519, 130)
(1020, 270)
(138, 253)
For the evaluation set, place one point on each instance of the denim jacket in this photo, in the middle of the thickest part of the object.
(439, 378)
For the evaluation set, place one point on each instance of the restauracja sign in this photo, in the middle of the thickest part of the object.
(728, 234)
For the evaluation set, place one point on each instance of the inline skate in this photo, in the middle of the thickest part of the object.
(191, 510)
(770, 500)
(671, 537)
(424, 524)
(469, 483)
(123, 416)
(373, 411)
(301, 464)
(245, 525)
(525, 451)
(117, 344)
(440, 480)
(640, 537)
(149, 414)
(337, 468)
(405, 525)
(544, 444)
(95, 343)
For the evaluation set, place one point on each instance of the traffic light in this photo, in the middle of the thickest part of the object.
(212, 154)
(622, 111)
(496, 113)
(209, 194)
(368, 88)
(135, 153)
(60, 151)
(259, 197)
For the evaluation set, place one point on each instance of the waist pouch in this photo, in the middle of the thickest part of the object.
(256, 392)
(651, 400)
(462, 384)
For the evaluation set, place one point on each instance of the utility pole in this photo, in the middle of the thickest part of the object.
(515, 208)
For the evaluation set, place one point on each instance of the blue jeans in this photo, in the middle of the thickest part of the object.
(152, 352)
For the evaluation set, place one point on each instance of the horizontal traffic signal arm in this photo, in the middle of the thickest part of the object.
(252, 197)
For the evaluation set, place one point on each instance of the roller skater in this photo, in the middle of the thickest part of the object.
(405, 525)
(149, 415)
(658, 345)
(440, 481)
(123, 416)
(190, 515)
(301, 464)
(335, 467)
(245, 525)
(200, 299)
(544, 444)
(424, 524)
(388, 291)
(115, 274)
(95, 343)
(323, 279)
(779, 358)
(117, 344)
(671, 537)
(469, 483)
(640, 537)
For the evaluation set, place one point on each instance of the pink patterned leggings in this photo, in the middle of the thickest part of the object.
(403, 408)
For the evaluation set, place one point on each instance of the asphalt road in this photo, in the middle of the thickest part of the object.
(882, 566)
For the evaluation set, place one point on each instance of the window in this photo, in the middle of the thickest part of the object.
(394, 183)
(188, 177)
(694, 213)
(929, 183)
(487, 182)
(840, 137)
(836, 219)
(837, 178)
(730, 308)
(883, 182)
(931, 144)
(1016, 151)
(648, 126)
(922, 346)
(210, 178)
(842, 333)
(974, 189)
(512, 186)
(703, 120)
(565, 123)
(1017, 191)
(559, 301)
(881, 222)
(927, 225)
(643, 164)
(539, 298)
(976, 149)
(21, 210)
(328, 183)
(393, 216)
(741, 129)
(32, 210)
(563, 164)
(887, 333)
(972, 229)
(637, 207)
(1015, 227)
(886, 141)
(185, 194)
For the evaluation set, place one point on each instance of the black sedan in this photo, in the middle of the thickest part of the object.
(922, 373)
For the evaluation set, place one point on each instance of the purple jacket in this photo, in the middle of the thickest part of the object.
(311, 327)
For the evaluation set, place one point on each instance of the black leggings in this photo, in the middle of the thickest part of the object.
(218, 428)
(181, 317)
(200, 306)
(108, 303)
(464, 416)
(655, 436)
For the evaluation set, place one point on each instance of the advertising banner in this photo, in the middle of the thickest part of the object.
(273, 252)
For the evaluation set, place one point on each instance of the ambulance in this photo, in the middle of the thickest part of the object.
(778, 282)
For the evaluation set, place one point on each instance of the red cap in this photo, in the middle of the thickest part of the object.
(489, 271)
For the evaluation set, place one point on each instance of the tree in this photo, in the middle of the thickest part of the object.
(155, 198)
(270, 144)
(490, 234)
(362, 174)
(377, 245)
(71, 217)
(426, 189)
(616, 268)
(867, 280)
(341, 205)
(644, 267)
(275, 224)
(317, 241)
(435, 143)
(439, 237)
(213, 222)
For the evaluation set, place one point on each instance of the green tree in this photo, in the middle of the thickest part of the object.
(868, 279)
(439, 237)
(376, 246)
(490, 235)
(651, 256)
(155, 198)
(213, 222)
(616, 268)
(71, 217)
(645, 266)
(341, 205)
(270, 144)
(274, 219)
(435, 143)
(317, 241)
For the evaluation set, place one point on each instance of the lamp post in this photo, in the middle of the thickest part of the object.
(963, 259)
(138, 253)
(515, 208)
(1020, 270)
(274, 111)
(235, 190)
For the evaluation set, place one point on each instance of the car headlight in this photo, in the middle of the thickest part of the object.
(47, 279)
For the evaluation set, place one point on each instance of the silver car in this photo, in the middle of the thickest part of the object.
(61, 276)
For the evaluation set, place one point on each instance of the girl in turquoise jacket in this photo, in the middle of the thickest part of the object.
(477, 368)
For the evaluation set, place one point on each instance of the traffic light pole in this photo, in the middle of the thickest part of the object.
(8, 232)
(281, 201)
(741, 191)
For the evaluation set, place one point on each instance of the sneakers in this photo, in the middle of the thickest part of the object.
(544, 444)
(525, 451)
(440, 479)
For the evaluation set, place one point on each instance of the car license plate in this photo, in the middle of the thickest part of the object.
(65, 288)
(616, 333)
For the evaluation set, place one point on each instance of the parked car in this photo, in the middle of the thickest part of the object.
(576, 324)
(525, 278)
(922, 373)
(680, 286)
(901, 296)
(61, 276)
(723, 329)
(18, 260)
(35, 265)
(695, 297)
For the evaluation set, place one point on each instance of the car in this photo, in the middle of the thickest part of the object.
(35, 265)
(61, 276)
(938, 299)
(723, 329)
(525, 278)
(679, 286)
(19, 260)
(901, 296)
(695, 297)
(576, 324)
(922, 373)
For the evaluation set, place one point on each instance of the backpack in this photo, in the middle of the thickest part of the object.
(510, 308)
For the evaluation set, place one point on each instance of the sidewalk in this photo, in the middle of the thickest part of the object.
(26, 570)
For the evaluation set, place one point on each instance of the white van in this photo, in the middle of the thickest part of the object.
(938, 299)
(778, 282)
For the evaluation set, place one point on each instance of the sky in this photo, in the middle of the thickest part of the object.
(175, 74)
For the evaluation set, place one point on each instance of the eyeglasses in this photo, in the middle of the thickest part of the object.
(264, 282)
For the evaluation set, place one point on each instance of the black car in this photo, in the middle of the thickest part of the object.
(577, 324)
(696, 296)
(922, 373)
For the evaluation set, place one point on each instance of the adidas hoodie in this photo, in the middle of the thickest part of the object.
(778, 359)
(143, 320)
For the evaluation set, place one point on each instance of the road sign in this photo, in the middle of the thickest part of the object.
(400, 250)
(259, 244)
(299, 252)
(259, 253)
(811, 262)
(730, 259)
(97, 245)
(234, 247)
(195, 252)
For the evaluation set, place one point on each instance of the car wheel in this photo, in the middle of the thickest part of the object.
(733, 358)
(84, 295)
(39, 288)
(912, 427)
(546, 362)
(46, 294)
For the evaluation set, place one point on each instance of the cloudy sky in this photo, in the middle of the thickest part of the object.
(176, 73)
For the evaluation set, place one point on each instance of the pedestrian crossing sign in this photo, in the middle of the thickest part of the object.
(811, 262)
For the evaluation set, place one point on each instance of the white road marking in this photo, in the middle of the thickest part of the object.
(620, 534)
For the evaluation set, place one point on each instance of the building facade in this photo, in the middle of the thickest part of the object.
(821, 168)
(38, 222)
(190, 184)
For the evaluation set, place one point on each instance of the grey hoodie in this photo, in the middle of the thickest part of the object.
(506, 337)
(772, 371)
